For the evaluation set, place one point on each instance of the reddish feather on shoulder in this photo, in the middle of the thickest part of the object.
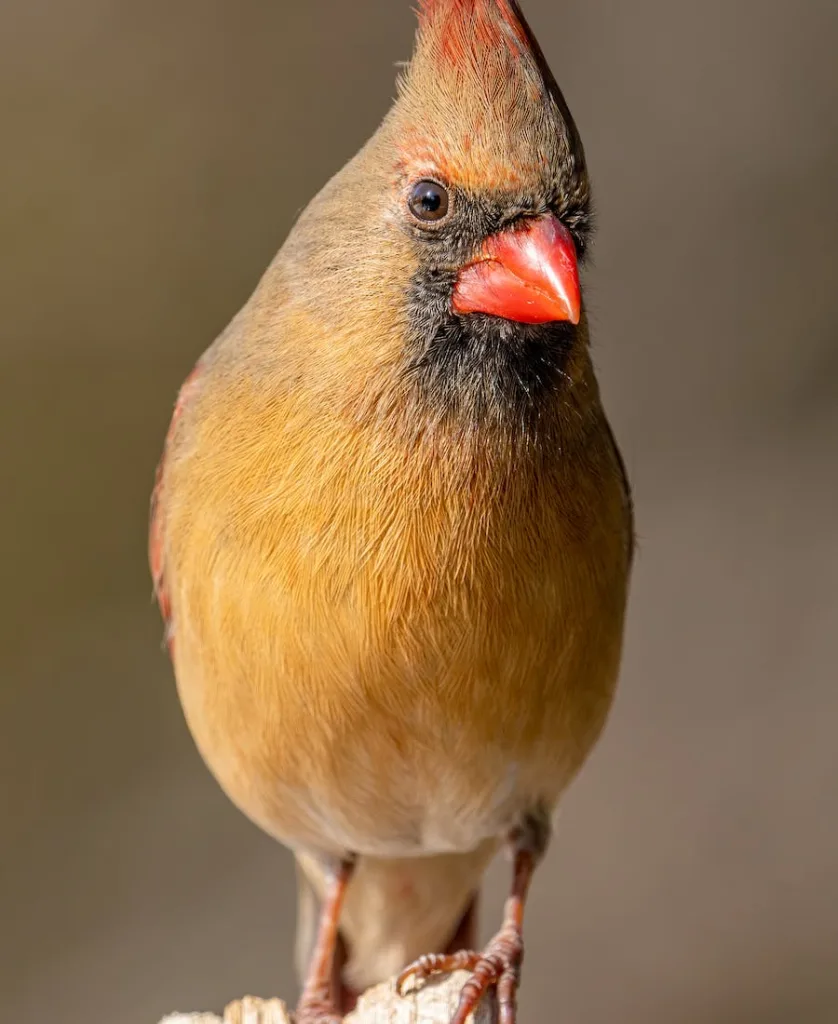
(156, 558)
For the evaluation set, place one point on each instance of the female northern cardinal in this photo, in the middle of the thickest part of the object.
(392, 533)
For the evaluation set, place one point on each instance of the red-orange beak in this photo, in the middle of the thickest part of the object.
(528, 273)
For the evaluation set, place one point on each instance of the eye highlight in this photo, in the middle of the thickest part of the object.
(429, 201)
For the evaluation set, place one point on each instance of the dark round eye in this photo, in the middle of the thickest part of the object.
(428, 201)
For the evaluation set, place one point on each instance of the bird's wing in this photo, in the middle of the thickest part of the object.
(628, 498)
(156, 532)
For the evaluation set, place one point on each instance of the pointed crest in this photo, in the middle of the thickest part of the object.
(466, 27)
(478, 101)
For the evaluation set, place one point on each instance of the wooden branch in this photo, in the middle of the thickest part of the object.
(432, 1003)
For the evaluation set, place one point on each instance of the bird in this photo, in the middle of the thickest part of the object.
(392, 533)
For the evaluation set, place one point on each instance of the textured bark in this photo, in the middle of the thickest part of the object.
(433, 1003)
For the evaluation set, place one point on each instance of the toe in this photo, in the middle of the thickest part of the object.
(426, 966)
(317, 1013)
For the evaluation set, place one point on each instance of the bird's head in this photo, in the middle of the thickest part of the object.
(464, 220)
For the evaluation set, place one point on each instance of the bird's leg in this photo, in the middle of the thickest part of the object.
(500, 963)
(317, 1002)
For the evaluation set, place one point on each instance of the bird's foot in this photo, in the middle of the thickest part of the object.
(313, 1011)
(499, 965)
(319, 1002)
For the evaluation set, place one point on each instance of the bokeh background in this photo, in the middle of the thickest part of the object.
(153, 157)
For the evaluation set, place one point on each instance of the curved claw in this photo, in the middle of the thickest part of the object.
(434, 963)
(508, 996)
(314, 1013)
(498, 966)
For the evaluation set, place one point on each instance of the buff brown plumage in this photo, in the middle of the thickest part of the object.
(392, 534)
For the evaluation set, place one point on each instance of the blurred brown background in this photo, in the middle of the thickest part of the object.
(153, 157)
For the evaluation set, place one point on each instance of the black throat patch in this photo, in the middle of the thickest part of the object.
(479, 369)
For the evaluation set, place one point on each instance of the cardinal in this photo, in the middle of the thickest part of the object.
(391, 532)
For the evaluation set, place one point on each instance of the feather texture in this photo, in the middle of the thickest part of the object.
(466, 28)
(156, 544)
(399, 620)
